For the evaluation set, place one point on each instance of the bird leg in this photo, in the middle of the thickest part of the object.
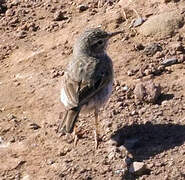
(75, 136)
(96, 129)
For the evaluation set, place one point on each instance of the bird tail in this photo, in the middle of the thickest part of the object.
(70, 117)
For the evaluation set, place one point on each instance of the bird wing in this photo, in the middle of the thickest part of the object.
(81, 89)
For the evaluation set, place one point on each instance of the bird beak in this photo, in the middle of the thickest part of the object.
(114, 33)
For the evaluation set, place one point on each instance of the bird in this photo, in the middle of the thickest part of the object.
(87, 81)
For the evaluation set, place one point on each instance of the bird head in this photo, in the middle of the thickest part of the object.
(93, 42)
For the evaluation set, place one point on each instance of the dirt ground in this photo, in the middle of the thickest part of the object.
(36, 39)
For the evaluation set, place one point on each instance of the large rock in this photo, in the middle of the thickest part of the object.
(162, 25)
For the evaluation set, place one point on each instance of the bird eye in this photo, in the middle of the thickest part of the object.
(100, 42)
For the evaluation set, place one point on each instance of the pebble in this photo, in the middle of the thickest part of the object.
(164, 103)
(142, 111)
(12, 140)
(9, 12)
(159, 54)
(120, 171)
(151, 49)
(181, 58)
(139, 47)
(26, 177)
(130, 73)
(50, 162)
(137, 168)
(82, 8)
(1, 140)
(137, 22)
(83, 170)
(113, 142)
(21, 34)
(59, 16)
(57, 73)
(125, 88)
(17, 83)
(34, 126)
(11, 116)
(169, 62)
(15, 2)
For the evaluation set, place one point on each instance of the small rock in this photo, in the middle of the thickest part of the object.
(59, 16)
(117, 88)
(137, 168)
(181, 58)
(130, 73)
(147, 91)
(125, 88)
(64, 151)
(11, 116)
(21, 34)
(9, 12)
(133, 113)
(123, 149)
(137, 22)
(151, 49)
(15, 2)
(57, 73)
(139, 47)
(119, 105)
(50, 162)
(13, 21)
(26, 177)
(164, 103)
(120, 171)
(111, 155)
(142, 111)
(113, 142)
(159, 54)
(34, 126)
(169, 62)
(82, 170)
(82, 7)
(12, 140)
(17, 83)
(1, 140)
(148, 72)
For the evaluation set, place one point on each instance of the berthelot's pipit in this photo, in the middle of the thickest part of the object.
(88, 79)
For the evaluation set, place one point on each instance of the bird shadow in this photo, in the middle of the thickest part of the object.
(144, 141)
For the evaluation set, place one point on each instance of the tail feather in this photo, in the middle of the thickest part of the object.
(69, 119)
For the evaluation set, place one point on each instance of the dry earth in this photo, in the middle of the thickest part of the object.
(36, 39)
